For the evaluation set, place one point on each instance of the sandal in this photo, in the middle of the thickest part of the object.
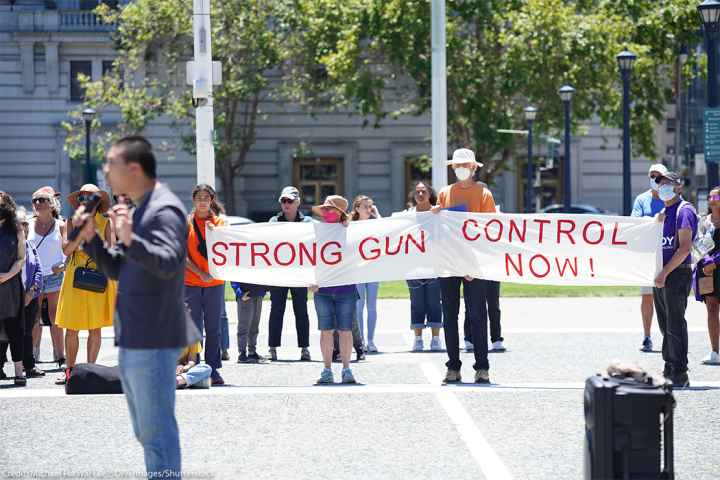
(63, 380)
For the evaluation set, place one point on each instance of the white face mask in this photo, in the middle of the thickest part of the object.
(666, 192)
(653, 185)
(463, 173)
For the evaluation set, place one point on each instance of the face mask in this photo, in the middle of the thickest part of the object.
(666, 192)
(463, 173)
(653, 185)
(331, 216)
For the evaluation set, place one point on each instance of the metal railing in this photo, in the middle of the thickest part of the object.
(83, 21)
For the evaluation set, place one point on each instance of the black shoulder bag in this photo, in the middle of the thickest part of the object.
(202, 244)
(89, 279)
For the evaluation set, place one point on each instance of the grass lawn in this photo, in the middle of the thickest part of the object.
(399, 289)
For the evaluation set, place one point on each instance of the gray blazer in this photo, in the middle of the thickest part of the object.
(151, 274)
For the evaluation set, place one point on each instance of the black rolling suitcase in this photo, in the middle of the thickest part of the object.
(628, 429)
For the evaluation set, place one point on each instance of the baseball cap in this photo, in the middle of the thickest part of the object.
(674, 177)
(291, 193)
(659, 168)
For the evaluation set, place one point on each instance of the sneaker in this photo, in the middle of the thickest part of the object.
(273, 354)
(225, 356)
(482, 376)
(418, 345)
(20, 381)
(712, 359)
(469, 346)
(35, 373)
(218, 381)
(305, 355)
(326, 377)
(498, 346)
(242, 358)
(64, 378)
(360, 355)
(435, 344)
(371, 348)
(647, 345)
(681, 380)
(347, 376)
(452, 376)
(2, 374)
(255, 358)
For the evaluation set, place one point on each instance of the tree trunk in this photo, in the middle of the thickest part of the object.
(227, 178)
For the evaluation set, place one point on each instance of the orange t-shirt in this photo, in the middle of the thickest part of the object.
(191, 279)
(476, 198)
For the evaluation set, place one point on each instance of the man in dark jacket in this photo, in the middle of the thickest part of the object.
(153, 326)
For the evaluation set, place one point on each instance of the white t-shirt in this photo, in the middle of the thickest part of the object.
(49, 249)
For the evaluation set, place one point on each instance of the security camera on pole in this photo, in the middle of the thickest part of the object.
(202, 74)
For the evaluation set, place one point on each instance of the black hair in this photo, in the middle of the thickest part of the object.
(137, 149)
(215, 206)
(8, 203)
(431, 191)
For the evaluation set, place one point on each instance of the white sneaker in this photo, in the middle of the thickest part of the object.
(371, 347)
(498, 346)
(418, 345)
(469, 347)
(712, 359)
(435, 344)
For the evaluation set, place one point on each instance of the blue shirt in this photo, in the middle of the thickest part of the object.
(646, 205)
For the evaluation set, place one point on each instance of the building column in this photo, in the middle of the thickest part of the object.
(27, 60)
(52, 66)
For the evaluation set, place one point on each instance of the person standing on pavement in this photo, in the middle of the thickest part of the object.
(648, 204)
(46, 233)
(249, 298)
(364, 209)
(465, 195)
(707, 267)
(425, 308)
(335, 306)
(289, 212)
(153, 326)
(32, 281)
(204, 294)
(672, 285)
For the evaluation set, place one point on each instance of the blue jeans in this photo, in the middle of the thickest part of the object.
(335, 310)
(224, 329)
(368, 293)
(148, 381)
(205, 308)
(197, 374)
(425, 303)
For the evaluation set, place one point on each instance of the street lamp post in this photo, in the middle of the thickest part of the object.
(566, 94)
(88, 115)
(709, 11)
(626, 60)
(530, 114)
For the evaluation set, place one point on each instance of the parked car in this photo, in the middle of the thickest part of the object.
(576, 208)
(233, 221)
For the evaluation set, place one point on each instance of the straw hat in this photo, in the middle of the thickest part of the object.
(90, 188)
(333, 202)
(462, 156)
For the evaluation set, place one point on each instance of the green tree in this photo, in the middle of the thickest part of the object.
(160, 33)
(501, 56)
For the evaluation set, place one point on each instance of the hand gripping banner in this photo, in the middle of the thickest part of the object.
(536, 249)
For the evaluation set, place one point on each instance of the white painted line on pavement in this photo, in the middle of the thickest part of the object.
(490, 463)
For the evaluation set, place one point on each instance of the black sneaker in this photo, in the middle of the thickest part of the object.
(255, 358)
(647, 345)
(305, 355)
(242, 358)
(681, 380)
(225, 356)
(360, 355)
(273, 354)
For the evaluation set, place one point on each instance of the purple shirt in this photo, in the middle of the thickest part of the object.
(340, 290)
(674, 221)
(32, 271)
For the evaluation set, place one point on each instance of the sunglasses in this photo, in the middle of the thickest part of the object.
(38, 201)
(714, 198)
(84, 197)
(286, 201)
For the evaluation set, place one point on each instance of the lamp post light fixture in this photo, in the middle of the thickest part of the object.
(566, 93)
(88, 115)
(626, 61)
(530, 114)
(709, 11)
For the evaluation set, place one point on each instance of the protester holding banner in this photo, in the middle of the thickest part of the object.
(335, 305)
(648, 204)
(425, 308)
(465, 195)
(203, 294)
(289, 212)
(672, 285)
(707, 276)
(364, 209)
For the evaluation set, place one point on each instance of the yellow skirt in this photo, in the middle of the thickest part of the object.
(81, 309)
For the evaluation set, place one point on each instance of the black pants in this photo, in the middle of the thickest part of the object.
(492, 297)
(670, 304)
(15, 330)
(475, 304)
(278, 299)
(28, 356)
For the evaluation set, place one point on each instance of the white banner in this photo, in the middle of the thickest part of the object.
(538, 249)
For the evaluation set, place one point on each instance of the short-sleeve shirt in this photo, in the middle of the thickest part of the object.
(677, 219)
(646, 205)
(191, 279)
(475, 198)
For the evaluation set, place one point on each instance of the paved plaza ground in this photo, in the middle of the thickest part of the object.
(270, 421)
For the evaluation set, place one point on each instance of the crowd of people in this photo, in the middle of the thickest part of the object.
(45, 273)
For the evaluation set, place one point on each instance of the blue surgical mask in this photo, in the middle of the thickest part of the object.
(653, 184)
(666, 192)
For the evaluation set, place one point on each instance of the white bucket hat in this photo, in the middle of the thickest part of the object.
(659, 168)
(463, 155)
